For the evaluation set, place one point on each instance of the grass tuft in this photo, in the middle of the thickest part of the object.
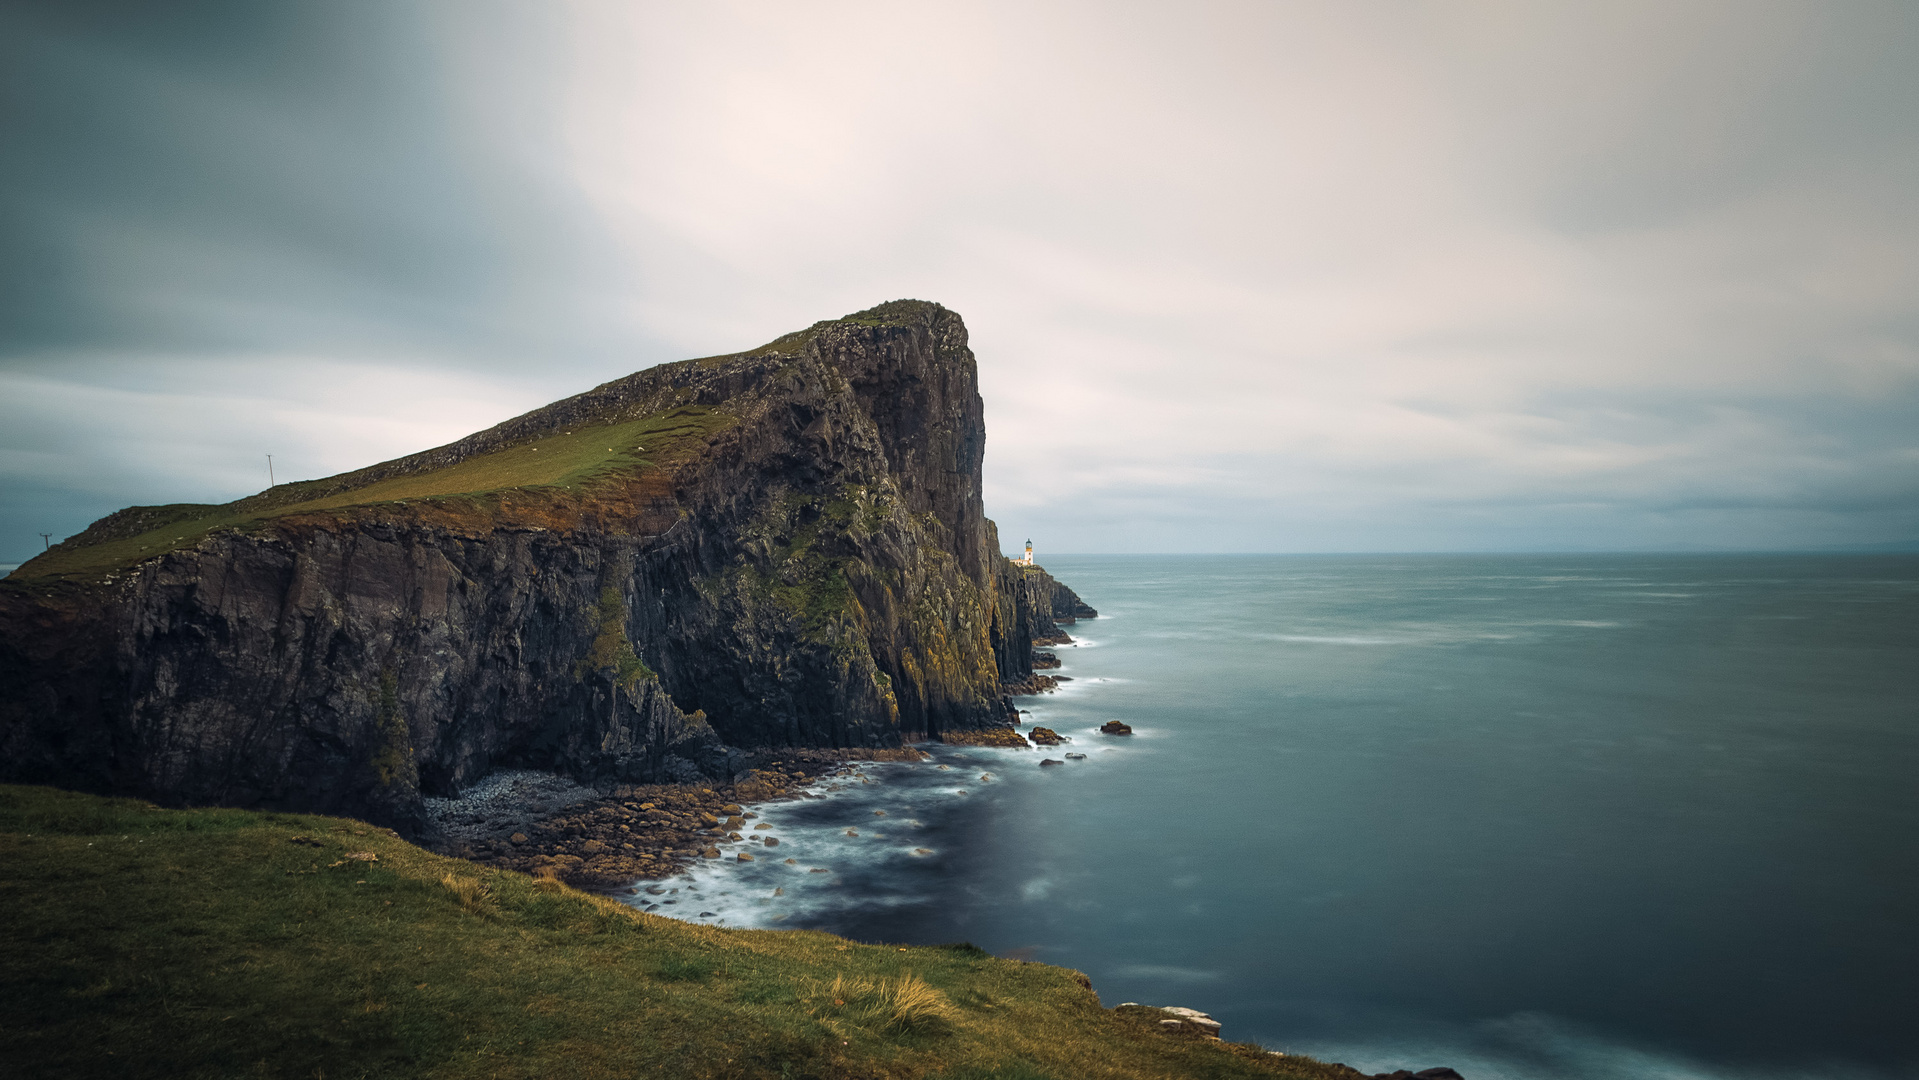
(471, 892)
(906, 1003)
(685, 969)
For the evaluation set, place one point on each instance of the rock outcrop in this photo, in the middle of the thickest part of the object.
(781, 547)
(1045, 603)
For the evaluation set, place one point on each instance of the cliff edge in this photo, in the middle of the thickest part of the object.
(779, 547)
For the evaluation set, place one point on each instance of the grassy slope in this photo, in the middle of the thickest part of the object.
(148, 942)
(560, 462)
(565, 462)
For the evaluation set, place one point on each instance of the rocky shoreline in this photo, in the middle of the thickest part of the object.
(608, 838)
(546, 825)
(1181, 1022)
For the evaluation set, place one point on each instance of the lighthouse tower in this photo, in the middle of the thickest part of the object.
(1028, 560)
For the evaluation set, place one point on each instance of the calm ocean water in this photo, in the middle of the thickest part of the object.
(1582, 816)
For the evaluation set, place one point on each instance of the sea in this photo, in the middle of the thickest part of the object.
(1593, 816)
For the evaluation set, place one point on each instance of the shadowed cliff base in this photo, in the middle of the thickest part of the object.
(782, 547)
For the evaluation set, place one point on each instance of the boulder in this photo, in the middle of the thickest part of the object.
(1194, 1017)
(1114, 727)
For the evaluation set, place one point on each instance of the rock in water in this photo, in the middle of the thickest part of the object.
(1114, 727)
(783, 546)
(1044, 736)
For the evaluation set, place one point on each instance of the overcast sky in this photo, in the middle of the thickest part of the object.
(1241, 277)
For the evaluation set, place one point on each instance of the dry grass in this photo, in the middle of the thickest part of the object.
(907, 1003)
(472, 893)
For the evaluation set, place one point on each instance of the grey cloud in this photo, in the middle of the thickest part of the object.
(233, 176)
(1241, 276)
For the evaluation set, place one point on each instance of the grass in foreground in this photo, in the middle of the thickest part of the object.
(218, 943)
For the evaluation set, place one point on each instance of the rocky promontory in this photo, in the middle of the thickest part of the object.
(783, 547)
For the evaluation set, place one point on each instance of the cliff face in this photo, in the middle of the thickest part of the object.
(1048, 603)
(780, 547)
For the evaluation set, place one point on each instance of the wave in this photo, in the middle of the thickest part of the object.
(1531, 1045)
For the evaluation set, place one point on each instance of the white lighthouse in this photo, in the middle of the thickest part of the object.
(1028, 560)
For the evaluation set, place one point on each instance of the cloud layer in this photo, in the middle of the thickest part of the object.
(1240, 277)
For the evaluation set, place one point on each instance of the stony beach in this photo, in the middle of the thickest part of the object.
(543, 824)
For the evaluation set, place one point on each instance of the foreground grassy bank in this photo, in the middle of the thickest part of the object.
(147, 942)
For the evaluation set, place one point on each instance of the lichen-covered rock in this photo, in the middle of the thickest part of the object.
(782, 547)
(986, 737)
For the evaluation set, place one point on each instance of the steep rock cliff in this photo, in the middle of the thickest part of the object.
(782, 547)
(1045, 603)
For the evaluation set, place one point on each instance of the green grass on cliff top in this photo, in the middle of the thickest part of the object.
(223, 943)
(563, 460)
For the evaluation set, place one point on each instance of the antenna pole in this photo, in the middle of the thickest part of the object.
(47, 539)
(269, 470)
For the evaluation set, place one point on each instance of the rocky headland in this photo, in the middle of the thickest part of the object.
(675, 578)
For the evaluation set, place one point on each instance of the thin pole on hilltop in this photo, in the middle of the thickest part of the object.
(269, 471)
(47, 539)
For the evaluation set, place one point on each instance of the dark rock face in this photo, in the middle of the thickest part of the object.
(1047, 603)
(812, 567)
(1067, 606)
